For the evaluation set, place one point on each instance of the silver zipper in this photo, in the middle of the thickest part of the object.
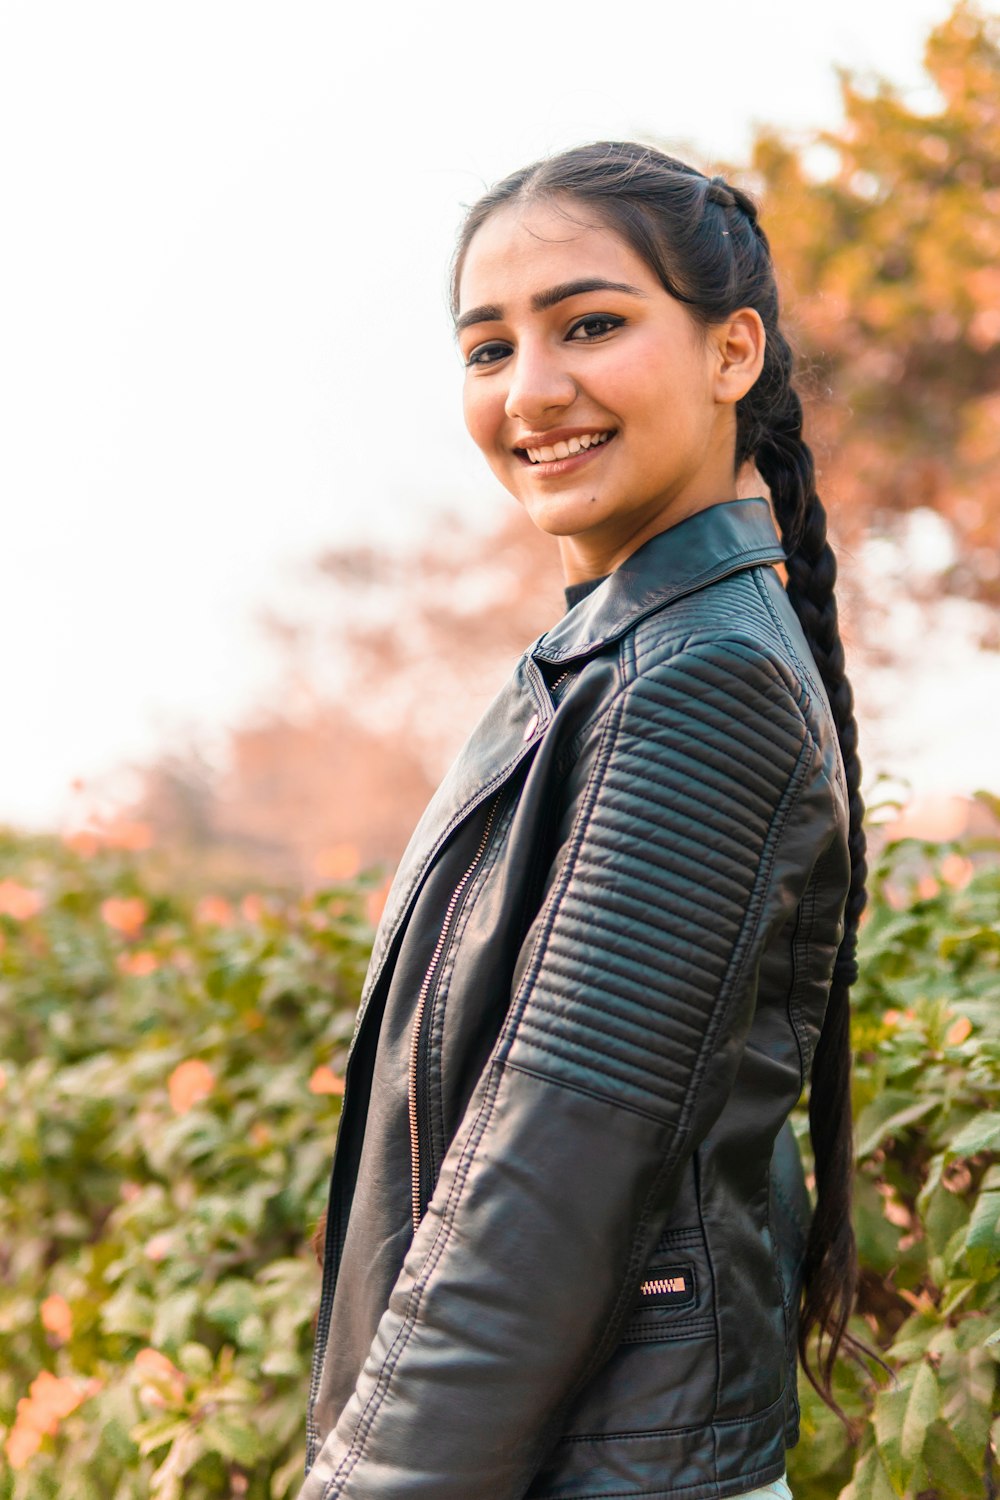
(425, 988)
(559, 680)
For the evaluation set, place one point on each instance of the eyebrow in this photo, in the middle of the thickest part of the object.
(491, 313)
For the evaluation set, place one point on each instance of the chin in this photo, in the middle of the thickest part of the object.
(563, 515)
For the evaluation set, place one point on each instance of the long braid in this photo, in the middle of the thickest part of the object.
(785, 462)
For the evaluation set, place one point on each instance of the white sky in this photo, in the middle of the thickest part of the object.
(223, 335)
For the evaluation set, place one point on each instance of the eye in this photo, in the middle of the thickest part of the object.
(594, 326)
(488, 354)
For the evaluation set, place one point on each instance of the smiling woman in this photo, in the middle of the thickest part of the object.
(608, 361)
(568, 1233)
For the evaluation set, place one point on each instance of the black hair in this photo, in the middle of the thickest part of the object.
(702, 239)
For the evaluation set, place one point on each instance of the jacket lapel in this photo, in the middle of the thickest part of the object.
(508, 731)
(718, 540)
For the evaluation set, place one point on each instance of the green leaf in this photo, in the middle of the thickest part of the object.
(944, 1471)
(968, 1398)
(870, 1482)
(980, 1134)
(982, 1242)
(921, 1410)
(892, 1112)
(233, 1440)
(902, 1417)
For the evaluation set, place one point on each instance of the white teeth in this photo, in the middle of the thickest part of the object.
(567, 449)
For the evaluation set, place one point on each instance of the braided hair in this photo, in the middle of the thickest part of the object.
(702, 239)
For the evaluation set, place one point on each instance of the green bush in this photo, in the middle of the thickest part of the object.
(926, 1033)
(166, 1125)
(169, 1097)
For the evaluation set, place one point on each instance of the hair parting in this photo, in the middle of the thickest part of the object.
(701, 237)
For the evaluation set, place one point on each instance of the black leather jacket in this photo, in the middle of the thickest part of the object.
(593, 1000)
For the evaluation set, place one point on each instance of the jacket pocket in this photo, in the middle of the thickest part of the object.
(673, 1301)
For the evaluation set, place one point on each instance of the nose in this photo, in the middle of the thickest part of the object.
(539, 384)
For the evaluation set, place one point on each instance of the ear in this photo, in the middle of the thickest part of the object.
(739, 345)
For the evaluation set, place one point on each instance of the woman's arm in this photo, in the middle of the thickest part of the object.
(633, 994)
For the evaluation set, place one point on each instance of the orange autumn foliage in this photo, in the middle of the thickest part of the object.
(325, 1081)
(50, 1398)
(339, 862)
(190, 1083)
(125, 914)
(214, 911)
(57, 1317)
(19, 901)
(138, 964)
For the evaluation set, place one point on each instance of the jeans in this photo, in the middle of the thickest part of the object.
(776, 1490)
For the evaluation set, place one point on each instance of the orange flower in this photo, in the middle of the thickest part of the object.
(956, 870)
(49, 1399)
(157, 1247)
(927, 887)
(126, 914)
(129, 835)
(215, 911)
(189, 1083)
(19, 901)
(958, 1031)
(57, 1317)
(83, 841)
(325, 1081)
(339, 862)
(252, 907)
(375, 905)
(139, 963)
(152, 1362)
(162, 1382)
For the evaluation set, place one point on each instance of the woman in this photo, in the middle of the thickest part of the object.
(563, 1253)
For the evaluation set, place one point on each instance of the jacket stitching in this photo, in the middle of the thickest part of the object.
(740, 562)
(737, 962)
(579, 1088)
(751, 918)
(439, 999)
(408, 1323)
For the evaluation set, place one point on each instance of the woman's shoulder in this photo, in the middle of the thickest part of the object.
(738, 647)
(744, 617)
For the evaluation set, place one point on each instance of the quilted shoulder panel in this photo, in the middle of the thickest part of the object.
(640, 949)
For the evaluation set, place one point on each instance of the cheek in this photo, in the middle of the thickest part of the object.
(483, 409)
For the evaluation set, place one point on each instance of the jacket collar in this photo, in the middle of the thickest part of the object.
(714, 542)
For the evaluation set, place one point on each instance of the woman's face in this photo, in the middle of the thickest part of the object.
(597, 400)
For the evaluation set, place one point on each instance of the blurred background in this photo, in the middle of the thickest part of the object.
(256, 585)
(233, 458)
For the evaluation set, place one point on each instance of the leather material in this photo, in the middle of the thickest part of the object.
(594, 996)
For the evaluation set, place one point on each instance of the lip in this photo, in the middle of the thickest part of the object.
(558, 466)
(558, 435)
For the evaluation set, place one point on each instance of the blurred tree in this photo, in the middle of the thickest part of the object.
(890, 260)
(383, 677)
(886, 233)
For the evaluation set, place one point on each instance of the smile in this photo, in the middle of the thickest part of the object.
(566, 450)
(569, 448)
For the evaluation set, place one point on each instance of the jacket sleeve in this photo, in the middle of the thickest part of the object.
(683, 847)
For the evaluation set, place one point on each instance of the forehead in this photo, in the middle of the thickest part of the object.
(525, 247)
